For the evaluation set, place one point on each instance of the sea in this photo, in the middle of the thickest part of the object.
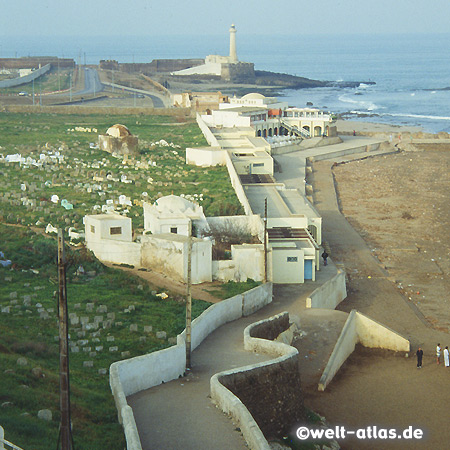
(411, 72)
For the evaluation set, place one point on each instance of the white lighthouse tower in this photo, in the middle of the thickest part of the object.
(233, 54)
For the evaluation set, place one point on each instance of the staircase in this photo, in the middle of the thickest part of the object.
(295, 130)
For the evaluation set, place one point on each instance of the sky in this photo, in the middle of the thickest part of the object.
(208, 17)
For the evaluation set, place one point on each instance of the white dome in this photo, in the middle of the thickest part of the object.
(118, 131)
(175, 203)
(253, 96)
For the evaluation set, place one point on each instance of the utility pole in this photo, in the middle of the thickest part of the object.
(70, 86)
(265, 240)
(189, 298)
(65, 431)
(33, 91)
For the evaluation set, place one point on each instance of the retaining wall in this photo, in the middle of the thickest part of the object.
(329, 294)
(360, 329)
(209, 136)
(270, 391)
(237, 185)
(26, 79)
(143, 372)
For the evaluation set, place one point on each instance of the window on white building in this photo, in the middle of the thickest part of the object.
(115, 230)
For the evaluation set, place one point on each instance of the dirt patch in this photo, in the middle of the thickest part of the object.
(399, 205)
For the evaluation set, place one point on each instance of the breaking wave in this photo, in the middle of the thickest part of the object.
(367, 105)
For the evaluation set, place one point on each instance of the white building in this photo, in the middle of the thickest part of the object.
(173, 214)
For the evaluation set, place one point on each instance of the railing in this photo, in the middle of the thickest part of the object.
(6, 445)
(299, 132)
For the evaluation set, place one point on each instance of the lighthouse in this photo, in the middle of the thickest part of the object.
(233, 54)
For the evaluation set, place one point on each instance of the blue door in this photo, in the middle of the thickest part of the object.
(308, 269)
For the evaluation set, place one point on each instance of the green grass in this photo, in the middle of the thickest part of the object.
(23, 333)
(232, 288)
(72, 179)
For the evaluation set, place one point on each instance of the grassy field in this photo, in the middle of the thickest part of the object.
(29, 329)
(113, 303)
(71, 165)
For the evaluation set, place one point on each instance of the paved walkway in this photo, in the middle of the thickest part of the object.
(180, 415)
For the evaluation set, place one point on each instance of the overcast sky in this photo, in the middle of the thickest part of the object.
(150, 17)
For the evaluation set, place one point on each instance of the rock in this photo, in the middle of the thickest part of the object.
(22, 361)
(45, 414)
(161, 335)
(37, 372)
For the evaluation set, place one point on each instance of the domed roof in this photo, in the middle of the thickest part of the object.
(174, 203)
(253, 96)
(118, 131)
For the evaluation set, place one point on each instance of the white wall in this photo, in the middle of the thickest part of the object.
(116, 251)
(298, 221)
(360, 329)
(237, 185)
(103, 223)
(375, 335)
(205, 157)
(204, 123)
(284, 271)
(168, 254)
(329, 294)
(143, 372)
(343, 348)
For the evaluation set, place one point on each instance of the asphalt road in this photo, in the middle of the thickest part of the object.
(92, 84)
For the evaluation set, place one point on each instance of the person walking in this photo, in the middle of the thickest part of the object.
(325, 256)
(446, 357)
(419, 354)
(438, 354)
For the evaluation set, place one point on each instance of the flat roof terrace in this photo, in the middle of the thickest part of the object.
(256, 195)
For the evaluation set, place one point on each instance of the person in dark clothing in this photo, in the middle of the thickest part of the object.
(324, 256)
(419, 354)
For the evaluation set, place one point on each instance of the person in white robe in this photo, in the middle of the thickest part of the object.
(446, 357)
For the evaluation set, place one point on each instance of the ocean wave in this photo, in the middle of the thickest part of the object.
(367, 105)
(416, 116)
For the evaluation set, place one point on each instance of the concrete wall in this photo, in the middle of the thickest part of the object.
(205, 157)
(237, 185)
(209, 136)
(270, 391)
(373, 334)
(143, 372)
(26, 79)
(116, 251)
(329, 294)
(284, 271)
(168, 254)
(344, 347)
(360, 329)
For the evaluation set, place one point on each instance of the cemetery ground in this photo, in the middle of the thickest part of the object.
(61, 160)
(113, 314)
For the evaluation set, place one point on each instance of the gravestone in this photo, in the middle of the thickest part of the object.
(161, 335)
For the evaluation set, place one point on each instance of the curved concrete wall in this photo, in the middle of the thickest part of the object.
(230, 403)
(26, 79)
(143, 372)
